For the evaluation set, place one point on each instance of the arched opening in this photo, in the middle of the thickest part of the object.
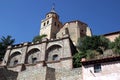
(34, 60)
(55, 57)
(53, 53)
(47, 22)
(15, 62)
(14, 59)
(32, 56)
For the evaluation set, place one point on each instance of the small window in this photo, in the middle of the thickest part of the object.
(47, 22)
(66, 31)
(44, 24)
(58, 26)
(55, 23)
(34, 60)
(97, 68)
(82, 30)
(15, 62)
(55, 57)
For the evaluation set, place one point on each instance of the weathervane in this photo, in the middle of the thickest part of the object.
(53, 7)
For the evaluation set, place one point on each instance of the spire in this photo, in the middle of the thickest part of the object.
(53, 8)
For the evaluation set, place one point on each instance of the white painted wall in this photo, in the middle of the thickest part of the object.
(110, 71)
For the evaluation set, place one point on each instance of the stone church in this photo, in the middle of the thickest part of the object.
(49, 59)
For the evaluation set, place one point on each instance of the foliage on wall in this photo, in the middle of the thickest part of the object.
(94, 48)
(39, 37)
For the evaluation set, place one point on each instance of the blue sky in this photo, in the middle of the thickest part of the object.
(21, 18)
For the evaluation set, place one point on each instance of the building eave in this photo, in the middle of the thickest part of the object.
(103, 60)
(75, 21)
(112, 33)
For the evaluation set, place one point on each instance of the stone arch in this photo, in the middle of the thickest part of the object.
(61, 45)
(14, 58)
(32, 56)
(53, 53)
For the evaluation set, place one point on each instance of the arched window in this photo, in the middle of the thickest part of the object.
(47, 22)
(14, 59)
(44, 24)
(32, 56)
(55, 57)
(15, 62)
(53, 53)
(34, 60)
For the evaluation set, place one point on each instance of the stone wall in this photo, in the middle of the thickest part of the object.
(6, 74)
(40, 52)
(42, 73)
(111, 36)
(73, 74)
(75, 29)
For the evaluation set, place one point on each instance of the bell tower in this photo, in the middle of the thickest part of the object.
(51, 24)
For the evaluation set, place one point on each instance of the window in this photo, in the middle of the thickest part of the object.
(66, 31)
(44, 24)
(34, 60)
(47, 22)
(55, 23)
(97, 68)
(82, 30)
(55, 57)
(15, 62)
(58, 26)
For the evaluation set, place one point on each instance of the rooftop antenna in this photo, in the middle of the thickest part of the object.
(53, 7)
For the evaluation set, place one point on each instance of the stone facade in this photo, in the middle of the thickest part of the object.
(52, 58)
(112, 36)
(75, 29)
(50, 25)
(49, 59)
(52, 53)
(43, 73)
(53, 28)
(46, 60)
(73, 74)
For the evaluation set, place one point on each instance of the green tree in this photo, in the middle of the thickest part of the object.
(39, 37)
(98, 43)
(117, 45)
(76, 59)
(4, 43)
(111, 45)
(90, 48)
(103, 44)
